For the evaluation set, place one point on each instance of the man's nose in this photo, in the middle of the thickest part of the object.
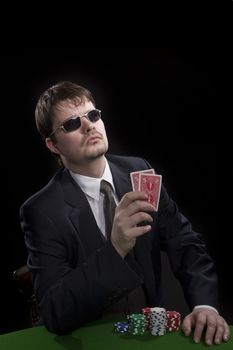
(86, 124)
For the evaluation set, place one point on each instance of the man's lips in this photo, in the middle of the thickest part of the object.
(93, 138)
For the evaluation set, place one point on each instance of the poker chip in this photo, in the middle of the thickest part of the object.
(156, 320)
(121, 327)
(137, 324)
(146, 312)
(173, 321)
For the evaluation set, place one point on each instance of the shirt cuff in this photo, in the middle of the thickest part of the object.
(207, 307)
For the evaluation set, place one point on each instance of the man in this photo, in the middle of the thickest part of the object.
(78, 272)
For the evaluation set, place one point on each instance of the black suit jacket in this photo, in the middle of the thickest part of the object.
(77, 273)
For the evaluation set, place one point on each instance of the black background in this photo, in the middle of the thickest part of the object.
(164, 103)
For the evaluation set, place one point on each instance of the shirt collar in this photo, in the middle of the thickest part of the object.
(91, 185)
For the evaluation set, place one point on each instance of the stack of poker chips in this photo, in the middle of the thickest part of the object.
(146, 312)
(156, 321)
(173, 321)
(137, 324)
(121, 327)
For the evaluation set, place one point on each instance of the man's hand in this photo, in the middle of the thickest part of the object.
(216, 328)
(131, 211)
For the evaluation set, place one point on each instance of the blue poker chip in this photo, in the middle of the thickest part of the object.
(121, 327)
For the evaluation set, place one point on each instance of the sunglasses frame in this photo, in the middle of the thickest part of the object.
(86, 115)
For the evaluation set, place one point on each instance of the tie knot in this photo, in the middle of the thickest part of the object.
(105, 187)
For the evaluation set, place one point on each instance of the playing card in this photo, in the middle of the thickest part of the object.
(135, 177)
(151, 185)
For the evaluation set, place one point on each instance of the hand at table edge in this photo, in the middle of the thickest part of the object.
(209, 321)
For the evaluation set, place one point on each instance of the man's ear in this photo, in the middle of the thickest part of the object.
(51, 145)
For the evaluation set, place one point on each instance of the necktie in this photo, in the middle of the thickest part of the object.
(109, 206)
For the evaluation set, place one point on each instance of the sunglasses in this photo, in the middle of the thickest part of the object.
(74, 122)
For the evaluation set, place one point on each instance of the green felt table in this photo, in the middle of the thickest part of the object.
(99, 335)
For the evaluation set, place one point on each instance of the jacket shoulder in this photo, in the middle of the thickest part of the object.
(51, 188)
(128, 162)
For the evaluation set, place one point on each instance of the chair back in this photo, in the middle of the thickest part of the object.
(22, 276)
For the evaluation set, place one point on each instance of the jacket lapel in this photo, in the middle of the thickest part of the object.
(81, 215)
(121, 180)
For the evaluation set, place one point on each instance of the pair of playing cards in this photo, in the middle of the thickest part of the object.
(149, 182)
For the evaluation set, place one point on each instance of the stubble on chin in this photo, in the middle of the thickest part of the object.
(97, 151)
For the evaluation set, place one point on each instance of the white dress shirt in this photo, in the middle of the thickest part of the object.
(91, 188)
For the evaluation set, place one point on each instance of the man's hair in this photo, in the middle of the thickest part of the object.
(44, 112)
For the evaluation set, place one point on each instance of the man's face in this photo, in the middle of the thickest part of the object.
(83, 145)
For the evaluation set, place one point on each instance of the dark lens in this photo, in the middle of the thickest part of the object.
(72, 124)
(94, 115)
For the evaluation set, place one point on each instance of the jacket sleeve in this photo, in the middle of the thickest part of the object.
(70, 294)
(188, 255)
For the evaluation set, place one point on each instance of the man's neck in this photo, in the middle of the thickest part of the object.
(93, 168)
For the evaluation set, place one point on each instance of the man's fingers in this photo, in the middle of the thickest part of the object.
(220, 328)
(187, 325)
(138, 206)
(140, 217)
(212, 328)
(132, 197)
(200, 324)
(226, 334)
(222, 331)
(139, 230)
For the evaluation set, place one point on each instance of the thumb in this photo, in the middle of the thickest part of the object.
(187, 325)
